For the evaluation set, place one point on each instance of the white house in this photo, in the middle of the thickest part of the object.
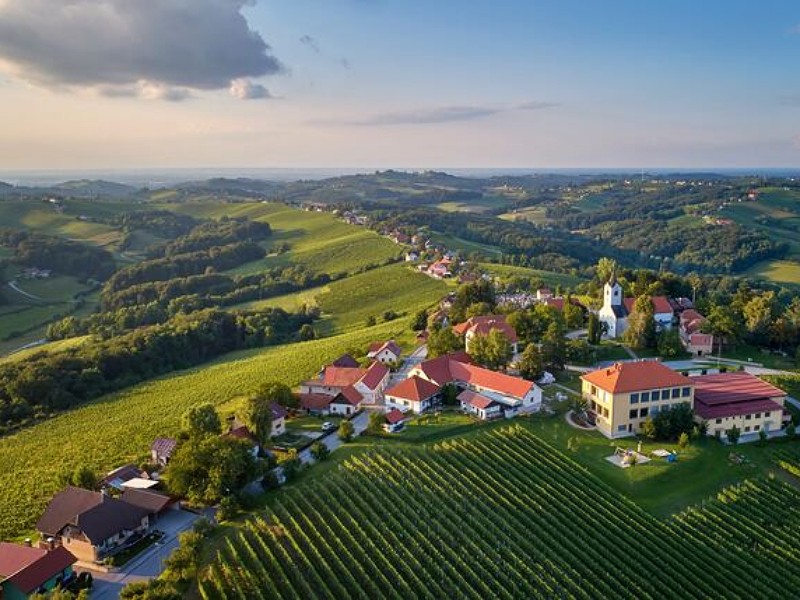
(482, 407)
(414, 394)
(385, 352)
(346, 403)
(616, 309)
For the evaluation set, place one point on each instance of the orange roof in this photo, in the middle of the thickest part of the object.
(414, 388)
(635, 376)
(660, 304)
(394, 416)
(342, 376)
(438, 369)
(482, 325)
(490, 380)
(315, 401)
(475, 399)
(350, 394)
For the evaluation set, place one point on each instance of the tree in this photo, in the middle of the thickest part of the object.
(491, 350)
(762, 437)
(370, 321)
(641, 330)
(307, 333)
(449, 394)
(277, 392)
(790, 431)
(228, 508)
(376, 421)
(605, 268)
(201, 419)
(683, 440)
(669, 343)
(531, 363)
(420, 320)
(759, 315)
(443, 342)
(346, 431)
(524, 325)
(83, 477)
(593, 331)
(733, 435)
(319, 451)
(649, 428)
(389, 315)
(478, 309)
(257, 416)
(722, 323)
(573, 315)
(553, 348)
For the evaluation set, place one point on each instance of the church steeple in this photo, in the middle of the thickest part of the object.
(612, 292)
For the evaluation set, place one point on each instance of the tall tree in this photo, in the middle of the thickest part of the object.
(759, 314)
(278, 392)
(443, 341)
(641, 331)
(491, 350)
(605, 268)
(554, 348)
(573, 315)
(531, 363)
(257, 416)
(593, 330)
(201, 420)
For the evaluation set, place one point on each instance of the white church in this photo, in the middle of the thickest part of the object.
(616, 309)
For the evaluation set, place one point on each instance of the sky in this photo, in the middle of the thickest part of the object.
(107, 84)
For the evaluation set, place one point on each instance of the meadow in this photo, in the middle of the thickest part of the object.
(502, 515)
(119, 428)
(776, 271)
(549, 278)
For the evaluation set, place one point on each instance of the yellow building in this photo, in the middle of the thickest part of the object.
(624, 395)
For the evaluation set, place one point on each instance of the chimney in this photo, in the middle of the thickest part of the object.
(51, 543)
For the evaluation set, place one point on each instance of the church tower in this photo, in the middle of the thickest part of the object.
(612, 292)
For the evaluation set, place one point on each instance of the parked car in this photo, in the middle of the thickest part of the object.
(327, 427)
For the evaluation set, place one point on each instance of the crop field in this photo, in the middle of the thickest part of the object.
(533, 214)
(120, 427)
(501, 515)
(777, 271)
(319, 241)
(462, 245)
(550, 278)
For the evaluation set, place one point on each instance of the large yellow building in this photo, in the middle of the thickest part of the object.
(624, 395)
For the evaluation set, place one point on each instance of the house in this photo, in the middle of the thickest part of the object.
(440, 269)
(412, 257)
(315, 404)
(347, 361)
(395, 418)
(624, 395)
(278, 425)
(481, 326)
(727, 400)
(479, 405)
(119, 476)
(242, 432)
(544, 294)
(369, 383)
(616, 309)
(385, 352)
(347, 402)
(25, 571)
(89, 524)
(690, 326)
(155, 503)
(333, 380)
(161, 450)
(414, 394)
(514, 394)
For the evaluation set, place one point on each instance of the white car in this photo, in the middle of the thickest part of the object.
(327, 427)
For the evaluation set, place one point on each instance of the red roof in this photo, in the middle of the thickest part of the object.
(315, 401)
(341, 376)
(241, 433)
(376, 373)
(727, 388)
(735, 409)
(490, 380)
(636, 376)
(661, 304)
(484, 324)
(438, 369)
(31, 577)
(475, 399)
(414, 388)
(350, 395)
(701, 339)
(14, 557)
(394, 416)
(690, 314)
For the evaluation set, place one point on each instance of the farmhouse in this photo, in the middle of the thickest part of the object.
(347, 402)
(476, 326)
(616, 308)
(25, 570)
(514, 394)
(415, 394)
(91, 524)
(369, 382)
(481, 406)
(742, 400)
(695, 342)
(315, 404)
(624, 395)
(385, 352)
(161, 450)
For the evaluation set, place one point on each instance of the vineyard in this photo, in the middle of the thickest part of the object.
(788, 459)
(502, 515)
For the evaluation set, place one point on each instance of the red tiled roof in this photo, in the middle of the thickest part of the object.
(149, 500)
(241, 433)
(734, 409)
(376, 373)
(414, 388)
(727, 388)
(350, 395)
(701, 339)
(557, 303)
(438, 369)
(475, 399)
(31, 578)
(14, 558)
(635, 376)
(315, 401)
(690, 314)
(491, 380)
(64, 507)
(661, 304)
(693, 326)
(394, 416)
(342, 376)
(482, 325)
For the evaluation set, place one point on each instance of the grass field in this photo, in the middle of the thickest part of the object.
(43, 217)
(462, 245)
(533, 214)
(48, 348)
(503, 515)
(776, 271)
(120, 427)
(549, 278)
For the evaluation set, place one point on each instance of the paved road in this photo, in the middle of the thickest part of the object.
(332, 440)
(149, 563)
(409, 363)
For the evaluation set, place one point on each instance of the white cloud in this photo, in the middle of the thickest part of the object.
(244, 89)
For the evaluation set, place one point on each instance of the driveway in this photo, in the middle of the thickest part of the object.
(148, 564)
(332, 441)
(409, 363)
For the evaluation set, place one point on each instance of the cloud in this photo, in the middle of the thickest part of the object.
(309, 41)
(244, 89)
(449, 114)
(161, 49)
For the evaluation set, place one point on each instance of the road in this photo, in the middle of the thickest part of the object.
(332, 441)
(149, 563)
(13, 285)
(409, 363)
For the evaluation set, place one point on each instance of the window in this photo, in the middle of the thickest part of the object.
(686, 392)
(634, 398)
(719, 421)
(756, 427)
(676, 392)
(605, 413)
(622, 428)
(654, 411)
(633, 413)
(758, 415)
(645, 396)
(593, 391)
(643, 412)
(748, 417)
(747, 429)
(665, 394)
(655, 395)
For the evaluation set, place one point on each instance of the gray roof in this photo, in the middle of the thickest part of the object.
(109, 517)
(65, 507)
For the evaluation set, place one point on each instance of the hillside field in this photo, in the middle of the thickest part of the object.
(548, 277)
(120, 427)
(501, 515)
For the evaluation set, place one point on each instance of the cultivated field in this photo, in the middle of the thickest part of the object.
(548, 277)
(502, 515)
